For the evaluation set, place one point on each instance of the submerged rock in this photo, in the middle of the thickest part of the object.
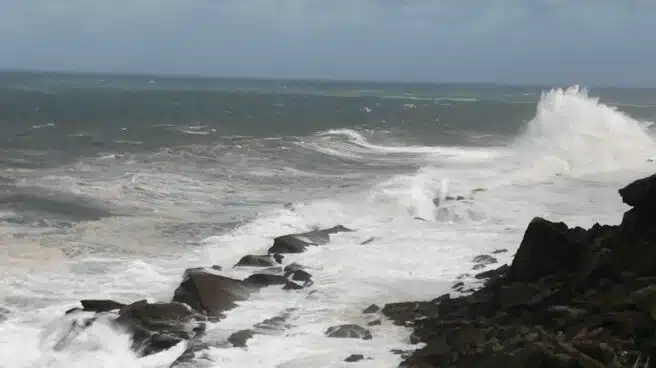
(265, 260)
(349, 331)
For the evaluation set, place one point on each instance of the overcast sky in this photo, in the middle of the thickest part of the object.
(506, 41)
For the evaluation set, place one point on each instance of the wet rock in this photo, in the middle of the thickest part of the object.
(354, 358)
(375, 322)
(640, 193)
(499, 251)
(349, 331)
(291, 285)
(301, 276)
(100, 305)
(159, 326)
(368, 240)
(265, 260)
(210, 293)
(371, 309)
(547, 248)
(260, 280)
(239, 338)
(484, 259)
(293, 267)
(297, 243)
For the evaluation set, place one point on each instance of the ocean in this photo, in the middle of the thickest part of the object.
(113, 185)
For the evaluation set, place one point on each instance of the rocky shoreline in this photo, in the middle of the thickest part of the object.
(571, 298)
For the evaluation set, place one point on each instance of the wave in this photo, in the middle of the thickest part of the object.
(574, 134)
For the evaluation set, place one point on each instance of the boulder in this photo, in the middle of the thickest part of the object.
(239, 338)
(547, 248)
(349, 331)
(303, 277)
(100, 305)
(354, 358)
(260, 280)
(264, 260)
(297, 243)
(159, 326)
(210, 293)
(371, 309)
(640, 193)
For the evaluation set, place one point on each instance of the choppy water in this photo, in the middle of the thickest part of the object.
(111, 186)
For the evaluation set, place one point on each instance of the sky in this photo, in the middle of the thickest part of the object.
(591, 42)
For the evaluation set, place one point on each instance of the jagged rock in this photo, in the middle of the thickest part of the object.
(265, 260)
(354, 358)
(640, 193)
(349, 331)
(371, 309)
(293, 267)
(484, 259)
(301, 276)
(547, 248)
(260, 280)
(210, 293)
(297, 243)
(571, 298)
(159, 326)
(100, 305)
(239, 338)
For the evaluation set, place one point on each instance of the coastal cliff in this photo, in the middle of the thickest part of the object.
(572, 297)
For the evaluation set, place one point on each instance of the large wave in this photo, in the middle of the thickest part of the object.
(575, 134)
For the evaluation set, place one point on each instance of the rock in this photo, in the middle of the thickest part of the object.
(100, 305)
(290, 285)
(266, 260)
(354, 358)
(210, 293)
(640, 193)
(499, 251)
(547, 248)
(368, 240)
(371, 309)
(485, 259)
(239, 338)
(297, 243)
(159, 326)
(300, 275)
(260, 280)
(349, 331)
(293, 267)
(375, 322)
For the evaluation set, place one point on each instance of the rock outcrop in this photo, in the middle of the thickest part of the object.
(298, 243)
(571, 298)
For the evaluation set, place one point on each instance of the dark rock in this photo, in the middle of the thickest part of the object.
(371, 309)
(547, 248)
(349, 331)
(239, 338)
(210, 293)
(265, 260)
(441, 298)
(499, 251)
(290, 285)
(368, 240)
(354, 358)
(640, 193)
(299, 275)
(485, 259)
(293, 268)
(375, 322)
(260, 280)
(479, 266)
(458, 285)
(159, 326)
(297, 243)
(100, 305)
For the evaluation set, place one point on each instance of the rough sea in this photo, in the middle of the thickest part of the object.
(110, 186)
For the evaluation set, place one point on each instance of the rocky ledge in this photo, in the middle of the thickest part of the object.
(572, 297)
